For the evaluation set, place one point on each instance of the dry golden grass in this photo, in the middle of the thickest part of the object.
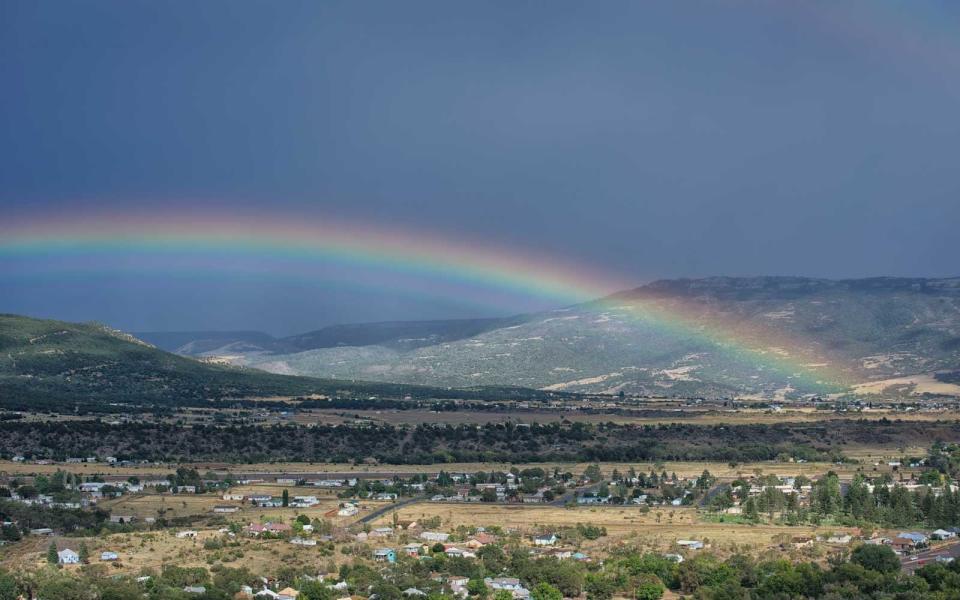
(152, 550)
(659, 528)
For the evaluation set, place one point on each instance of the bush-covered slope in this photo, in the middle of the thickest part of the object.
(53, 365)
(806, 336)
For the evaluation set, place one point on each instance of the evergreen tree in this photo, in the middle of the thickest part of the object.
(52, 556)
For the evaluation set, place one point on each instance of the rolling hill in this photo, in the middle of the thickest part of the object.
(779, 337)
(46, 364)
(399, 335)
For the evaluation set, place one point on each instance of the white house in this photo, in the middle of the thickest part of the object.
(434, 536)
(545, 540)
(109, 556)
(303, 541)
(68, 557)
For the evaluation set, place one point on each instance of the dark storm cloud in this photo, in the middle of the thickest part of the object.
(655, 139)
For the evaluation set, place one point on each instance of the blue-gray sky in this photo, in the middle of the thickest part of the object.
(654, 139)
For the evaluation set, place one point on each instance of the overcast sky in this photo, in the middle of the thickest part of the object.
(653, 139)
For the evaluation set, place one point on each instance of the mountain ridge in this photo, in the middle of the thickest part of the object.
(868, 330)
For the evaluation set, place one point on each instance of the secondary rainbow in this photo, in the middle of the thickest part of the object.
(251, 241)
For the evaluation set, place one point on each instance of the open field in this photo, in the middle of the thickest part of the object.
(658, 528)
(151, 550)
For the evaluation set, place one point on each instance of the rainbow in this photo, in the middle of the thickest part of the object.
(268, 244)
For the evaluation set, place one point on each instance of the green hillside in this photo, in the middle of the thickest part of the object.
(54, 365)
(47, 363)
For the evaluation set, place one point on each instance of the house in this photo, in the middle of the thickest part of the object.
(434, 536)
(68, 557)
(412, 549)
(348, 510)
(381, 532)
(41, 531)
(413, 592)
(453, 551)
(234, 497)
(480, 540)
(902, 544)
(303, 541)
(385, 555)
(839, 539)
(287, 593)
(690, 544)
(919, 539)
(457, 583)
(195, 589)
(943, 534)
(593, 499)
(545, 540)
(304, 501)
(225, 508)
(508, 584)
(109, 556)
(503, 583)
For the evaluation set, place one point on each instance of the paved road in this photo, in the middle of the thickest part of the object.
(911, 563)
(390, 507)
